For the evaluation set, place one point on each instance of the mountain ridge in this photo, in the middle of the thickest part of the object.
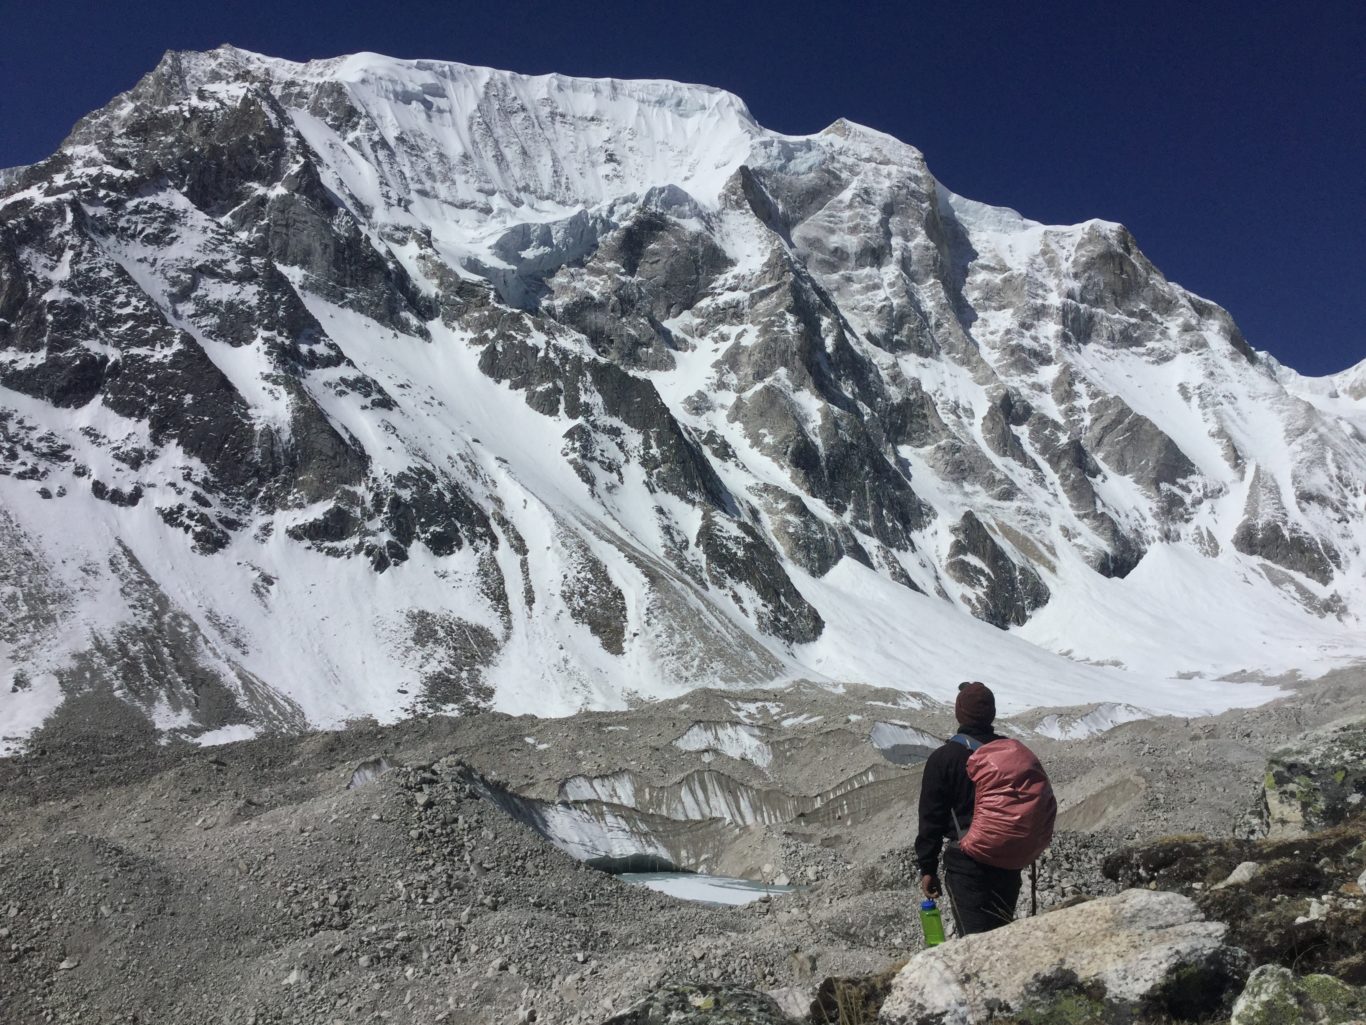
(514, 365)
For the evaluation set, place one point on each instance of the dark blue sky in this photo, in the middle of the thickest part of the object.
(1231, 138)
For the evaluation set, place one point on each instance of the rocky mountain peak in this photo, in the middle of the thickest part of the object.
(544, 393)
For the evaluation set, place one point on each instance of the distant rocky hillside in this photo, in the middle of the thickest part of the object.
(368, 387)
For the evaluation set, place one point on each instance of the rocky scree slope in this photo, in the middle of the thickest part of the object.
(252, 881)
(158, 879)
(369, 386)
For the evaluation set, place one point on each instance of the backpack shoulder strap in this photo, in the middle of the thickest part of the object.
(970, 743)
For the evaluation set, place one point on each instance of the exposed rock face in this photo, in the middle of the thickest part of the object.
(573, 390)
(1138, 953)
(593, 598)
(1266, 531)
(1006, 592)
(1276, 996)
(1315, 783)
(737, 554)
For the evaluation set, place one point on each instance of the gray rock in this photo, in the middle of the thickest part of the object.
(1314, 783)
(1135, 446)
(1268, 532)
(736, 553)
(793, 1001)
(1140, 951)
(1277, 996)
(1004, 591)
(592, 596)
(703, 1004)
(1245, 872)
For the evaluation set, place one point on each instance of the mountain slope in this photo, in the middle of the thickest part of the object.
(366, 386)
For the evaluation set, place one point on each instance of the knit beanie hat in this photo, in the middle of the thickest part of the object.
(976, 705)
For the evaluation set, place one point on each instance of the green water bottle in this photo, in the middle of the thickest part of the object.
(931, 923)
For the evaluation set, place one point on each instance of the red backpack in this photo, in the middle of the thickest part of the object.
(1014, 809)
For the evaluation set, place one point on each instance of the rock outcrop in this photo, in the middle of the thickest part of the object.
(1277, 996)
(1140, 954)
(1314, 783)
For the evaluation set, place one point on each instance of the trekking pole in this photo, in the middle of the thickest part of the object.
(948, 894)
(1033, 887)
(953, 909)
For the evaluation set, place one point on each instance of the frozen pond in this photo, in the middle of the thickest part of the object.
(705, 889)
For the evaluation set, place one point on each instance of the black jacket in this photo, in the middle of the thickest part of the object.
(945, 789)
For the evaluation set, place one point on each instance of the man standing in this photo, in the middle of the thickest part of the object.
(1016, 820)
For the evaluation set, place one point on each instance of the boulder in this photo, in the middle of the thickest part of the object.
(1244, 873)
(1277, 996)
(794, 1001)
(1140, 953)
(1316, 782)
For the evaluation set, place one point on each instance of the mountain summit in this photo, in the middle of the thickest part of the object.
(368, 387)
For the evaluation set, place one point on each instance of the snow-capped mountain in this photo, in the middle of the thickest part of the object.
(368, 386)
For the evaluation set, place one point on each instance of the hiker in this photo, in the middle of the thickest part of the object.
(989, 798)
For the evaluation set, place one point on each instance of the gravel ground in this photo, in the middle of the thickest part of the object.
(247, 884)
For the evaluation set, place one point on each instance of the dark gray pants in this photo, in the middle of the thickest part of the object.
(982, 897)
